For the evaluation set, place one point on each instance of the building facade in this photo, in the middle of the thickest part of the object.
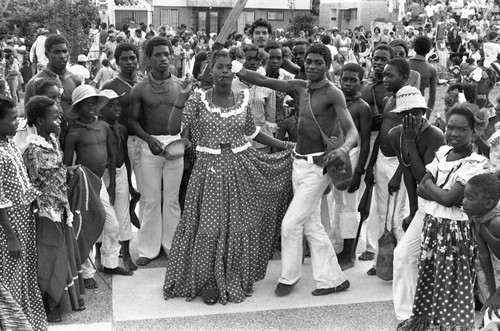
(348, 14)
(210, 15)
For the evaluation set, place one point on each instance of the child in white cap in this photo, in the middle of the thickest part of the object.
(90, 139)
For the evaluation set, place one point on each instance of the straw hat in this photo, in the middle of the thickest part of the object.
(83, 92)
(175, 149)
(409, 97)
(110, 94)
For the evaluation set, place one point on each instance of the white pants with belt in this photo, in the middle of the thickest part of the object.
(122, 202)
(161, 211)
(303, 218)
(406, 255)
(110, 248)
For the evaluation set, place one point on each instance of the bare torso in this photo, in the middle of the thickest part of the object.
(389, 121)
(90, 147)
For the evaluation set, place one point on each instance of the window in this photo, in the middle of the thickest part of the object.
(275, 16)
(170, 17)
(333, 14)
(354, 14)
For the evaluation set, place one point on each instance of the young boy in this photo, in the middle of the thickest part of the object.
(91, 140)
(111, 115)
(415, 142)
(480, 202)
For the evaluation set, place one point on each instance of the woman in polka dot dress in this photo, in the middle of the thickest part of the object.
(18, 260)
(444, 297)
(225, 237)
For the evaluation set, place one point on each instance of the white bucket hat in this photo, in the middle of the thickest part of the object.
(110, 94)
(409, 97)
(83, 92)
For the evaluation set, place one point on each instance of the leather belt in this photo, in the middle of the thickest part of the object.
(316, 159)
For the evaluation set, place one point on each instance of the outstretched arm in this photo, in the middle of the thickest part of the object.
(288, 86)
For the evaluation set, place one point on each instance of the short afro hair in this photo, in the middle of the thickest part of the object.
(487, 185)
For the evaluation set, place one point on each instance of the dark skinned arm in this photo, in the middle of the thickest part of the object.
(255, 78)
(135, 127)
(290, 66)
(111, 165)
(269, 141)
(432, 93)
(369, 179)
(447, 198)
(13, 244)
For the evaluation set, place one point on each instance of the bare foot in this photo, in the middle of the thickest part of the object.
(129, 264)
(367, 256)
(90, 283)
(142, 261)
(54, 315)
(117, 271)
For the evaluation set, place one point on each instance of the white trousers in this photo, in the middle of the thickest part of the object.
(384, 169)
(303, 218)
(134, 147)
(406, 255)
(110, 248)
(122, 202)
(161, 211)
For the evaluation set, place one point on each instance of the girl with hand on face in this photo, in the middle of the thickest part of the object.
(444, 297)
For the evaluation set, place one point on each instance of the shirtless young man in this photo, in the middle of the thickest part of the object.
(374, 93)
(428, 74)
(382, 170)
(346, 203)
(415, 142)
(151, 103)
(321, 98)
(127, 57)
(90, 139)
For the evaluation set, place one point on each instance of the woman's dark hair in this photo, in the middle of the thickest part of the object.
(217, 55)
(463, 109)
(38, 107)
(469, 91)
(5, 104)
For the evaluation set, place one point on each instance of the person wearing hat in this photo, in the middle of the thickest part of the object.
(91, 140)
(80, 68)
(111, 114)
(37, 51)
(57, 52)
(415, 141)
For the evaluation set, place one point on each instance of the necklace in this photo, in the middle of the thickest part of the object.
(213, 104)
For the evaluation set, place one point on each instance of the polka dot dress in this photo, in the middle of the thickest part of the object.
(444, 298)
(233, 206)
(20, 275)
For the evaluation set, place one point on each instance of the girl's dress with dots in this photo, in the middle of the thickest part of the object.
(444, 297)
(20, 275)
(233, 205)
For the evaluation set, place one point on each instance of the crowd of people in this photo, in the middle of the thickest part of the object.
(223, 153)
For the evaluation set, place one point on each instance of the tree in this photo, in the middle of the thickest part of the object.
(72, 19)
(301, 21)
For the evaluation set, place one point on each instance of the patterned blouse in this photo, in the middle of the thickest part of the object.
(48, 174)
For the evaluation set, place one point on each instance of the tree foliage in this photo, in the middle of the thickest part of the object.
(70, 18)
(301, 21)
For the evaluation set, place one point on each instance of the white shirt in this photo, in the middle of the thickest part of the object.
(81, 71)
